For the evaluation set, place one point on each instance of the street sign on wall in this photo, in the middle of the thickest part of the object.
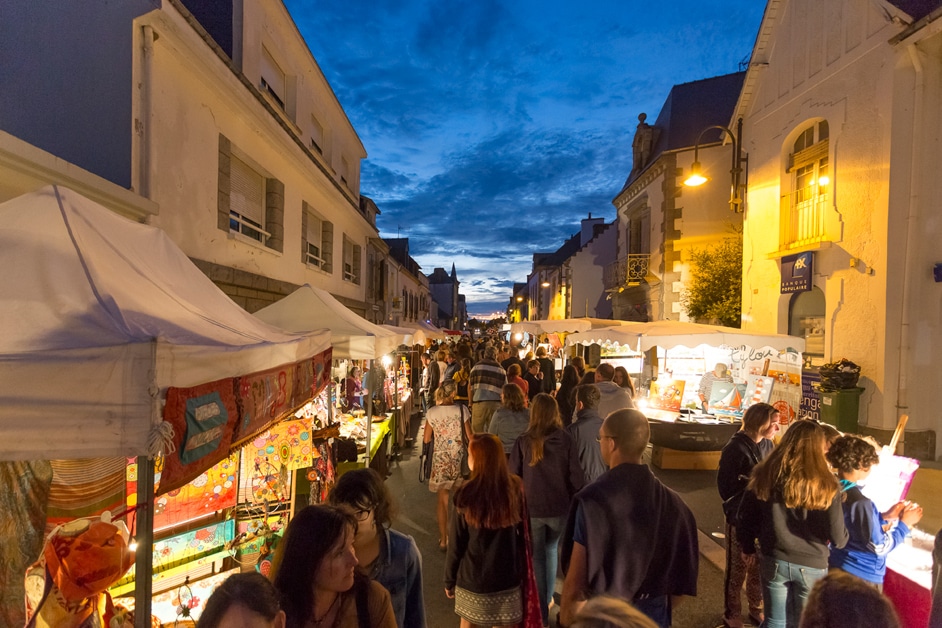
(797, 271)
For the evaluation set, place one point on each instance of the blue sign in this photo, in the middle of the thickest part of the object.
(797, 271)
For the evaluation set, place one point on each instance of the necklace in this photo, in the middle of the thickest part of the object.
(318, 622)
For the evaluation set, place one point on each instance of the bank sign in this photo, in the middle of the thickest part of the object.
(796, 272)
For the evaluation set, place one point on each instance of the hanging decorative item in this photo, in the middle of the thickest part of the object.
(185, 602)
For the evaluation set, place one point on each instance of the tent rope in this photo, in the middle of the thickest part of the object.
(160, 440)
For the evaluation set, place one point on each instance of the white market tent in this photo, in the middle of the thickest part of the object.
(431, 331)
(670, 334)
(409, 336)
(100, 315)
(561, 326)
(352, 336)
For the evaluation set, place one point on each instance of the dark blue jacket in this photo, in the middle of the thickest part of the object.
(865, 553)
(585, 432)
(399, 568)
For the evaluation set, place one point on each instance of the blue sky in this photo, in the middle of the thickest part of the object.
(494, 126)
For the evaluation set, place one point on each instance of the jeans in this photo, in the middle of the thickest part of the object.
(785, 589)
(544, 536)
(658, 609)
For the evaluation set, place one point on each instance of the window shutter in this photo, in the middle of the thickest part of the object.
(273, 77)
(327, 246)
(247, 191)
(357, 252)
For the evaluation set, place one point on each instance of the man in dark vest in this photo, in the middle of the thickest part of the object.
(628, 535)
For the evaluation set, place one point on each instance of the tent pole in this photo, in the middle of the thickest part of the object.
(144, 555)
(369, 414)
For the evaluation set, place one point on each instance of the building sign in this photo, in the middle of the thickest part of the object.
(796, 272)
(810, 398)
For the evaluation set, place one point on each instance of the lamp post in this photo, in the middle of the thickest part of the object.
(739, 166)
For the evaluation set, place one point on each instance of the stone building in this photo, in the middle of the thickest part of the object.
(840, 107)
(659, 220)
(214, 113)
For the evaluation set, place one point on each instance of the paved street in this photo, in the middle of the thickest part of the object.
(417, 518)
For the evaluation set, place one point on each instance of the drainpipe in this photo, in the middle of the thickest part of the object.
(146, 158)
(902, 391)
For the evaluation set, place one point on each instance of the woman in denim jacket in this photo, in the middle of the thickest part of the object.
(385, 555)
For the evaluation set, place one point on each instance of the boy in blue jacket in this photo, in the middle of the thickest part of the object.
(872, 534)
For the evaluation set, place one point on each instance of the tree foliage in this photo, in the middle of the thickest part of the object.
(714, 292)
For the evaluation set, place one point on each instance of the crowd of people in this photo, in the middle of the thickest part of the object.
(530, 475)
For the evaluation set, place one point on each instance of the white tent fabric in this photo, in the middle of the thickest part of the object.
(352, 336)
(670, 334)
(561, 326)
(100, 315)
(431, 331)
(409, 336)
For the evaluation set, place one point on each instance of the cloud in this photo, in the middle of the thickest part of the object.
(493, 127)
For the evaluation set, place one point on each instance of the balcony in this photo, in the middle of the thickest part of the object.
(803, 214)
(630, 270)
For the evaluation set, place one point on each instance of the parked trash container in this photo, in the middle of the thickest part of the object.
(841, 408)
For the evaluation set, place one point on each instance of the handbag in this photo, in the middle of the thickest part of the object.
(465, 467)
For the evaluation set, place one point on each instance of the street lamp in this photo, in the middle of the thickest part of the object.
(739, 166)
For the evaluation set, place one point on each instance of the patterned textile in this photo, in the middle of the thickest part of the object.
(740, 569)
(24, 491)
(504, 608)
(85, 488)
(446, 425)
(487, 381)
(287, 443)
(213, 490)
(202, 417)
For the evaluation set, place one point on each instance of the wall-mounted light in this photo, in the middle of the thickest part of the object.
(545, 284)
(739, 166)
(519, 299)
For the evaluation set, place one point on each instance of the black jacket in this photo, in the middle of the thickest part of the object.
(795, 535)
(739, 457)
(482, 560)
(585, 432)
(550, 484)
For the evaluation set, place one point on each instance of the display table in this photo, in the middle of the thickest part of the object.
(378, 451)
(908, 581)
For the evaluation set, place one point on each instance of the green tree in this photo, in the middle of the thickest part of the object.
(714, 292)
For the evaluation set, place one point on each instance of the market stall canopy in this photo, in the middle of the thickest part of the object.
(431, 331)
(99, 316)
(351, 335)
(562, 326)
(409, 336)
(670, 334)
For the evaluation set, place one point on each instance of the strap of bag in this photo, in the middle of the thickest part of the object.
(464, 434)
(361, 590)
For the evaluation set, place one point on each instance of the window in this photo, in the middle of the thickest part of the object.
(317, 239)
(317, 136)
(351, 261)
(273, 81)
(806, 316)
(344, 170)
(246, 201)
(803, 207)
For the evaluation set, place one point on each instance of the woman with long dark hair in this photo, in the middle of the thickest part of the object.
(547, 459)
(566, 395)
(444, 423)
(385, 555)
(623, 380)
(315, 574)
(745, 449)
(485, 566)
(792, 506)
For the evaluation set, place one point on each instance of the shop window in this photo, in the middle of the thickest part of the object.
(806, 317)
(803, 207)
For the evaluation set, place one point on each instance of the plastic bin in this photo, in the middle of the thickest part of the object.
(841, 409)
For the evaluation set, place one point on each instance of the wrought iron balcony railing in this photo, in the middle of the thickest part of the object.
(630, 270)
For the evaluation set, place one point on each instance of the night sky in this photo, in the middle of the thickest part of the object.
(493, 127)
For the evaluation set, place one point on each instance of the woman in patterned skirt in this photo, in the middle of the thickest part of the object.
(486, 564)
(444, 422)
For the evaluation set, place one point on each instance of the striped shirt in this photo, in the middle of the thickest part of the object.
(487, 381)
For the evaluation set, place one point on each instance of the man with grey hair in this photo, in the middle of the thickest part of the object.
(638, 544)
(612, 396)
(486, 383)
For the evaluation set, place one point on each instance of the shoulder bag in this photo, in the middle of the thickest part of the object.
(465, 467)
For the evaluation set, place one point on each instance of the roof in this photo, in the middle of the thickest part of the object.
(439, 275)
(690, 108)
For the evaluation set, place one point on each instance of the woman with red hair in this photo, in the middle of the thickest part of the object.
(486, 563)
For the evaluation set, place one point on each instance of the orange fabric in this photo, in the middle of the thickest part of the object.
(85, 564)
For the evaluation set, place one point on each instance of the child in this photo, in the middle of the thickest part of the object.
(872, 534)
